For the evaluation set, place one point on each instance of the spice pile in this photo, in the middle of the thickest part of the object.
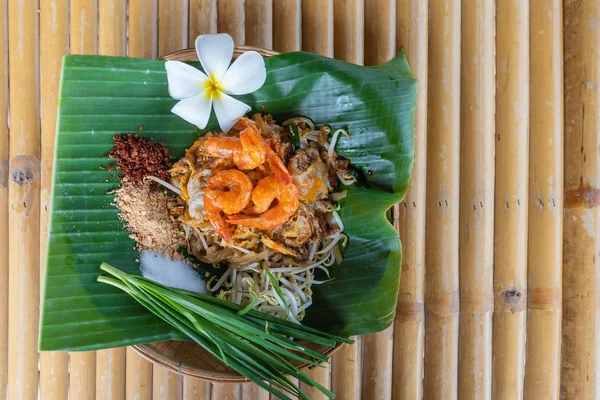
(144, 206)
(139, 157)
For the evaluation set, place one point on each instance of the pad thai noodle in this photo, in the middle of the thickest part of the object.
(261, 203)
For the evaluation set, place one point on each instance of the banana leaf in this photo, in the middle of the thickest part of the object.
(102, 96)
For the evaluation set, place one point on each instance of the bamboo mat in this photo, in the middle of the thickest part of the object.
(500, 229)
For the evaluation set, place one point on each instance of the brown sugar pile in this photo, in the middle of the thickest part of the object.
(145, 209)
(139, 157)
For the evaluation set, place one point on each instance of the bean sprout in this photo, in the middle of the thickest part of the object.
(165, 184)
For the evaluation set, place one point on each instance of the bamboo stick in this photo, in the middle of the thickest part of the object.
(83, 26)
(476, 200)
(544, 314)
(346, 363)
(194, 388)
(138, 376)
(580, 358)
(226, 391)
(4, 241)
(287, 25)
(250, 391)
(142, 29)
(317, 27)
(512, 160)
(259, 23)
(112, 30)
(24, 201)
(346, 371)
(82, 380)
(203, 19)
(173, 22)
(380, 31)
(110, 364)
(323, 376)
(409, 329)
(83, 32)
(349, 30)
(443, 157)
(231, 18)
(166, 385)
(110, 374)
(377, 349)
(54, 376)
(377, 353)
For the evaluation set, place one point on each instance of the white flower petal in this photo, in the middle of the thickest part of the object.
(184, 80)
(195, 110)
(228, 110)
(215, 52)
(246, 75)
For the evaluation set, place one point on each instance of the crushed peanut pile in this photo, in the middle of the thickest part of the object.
(145, 211)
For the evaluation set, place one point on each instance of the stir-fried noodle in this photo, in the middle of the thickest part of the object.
(260, 202)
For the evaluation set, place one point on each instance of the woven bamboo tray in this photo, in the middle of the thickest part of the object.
(189, 358)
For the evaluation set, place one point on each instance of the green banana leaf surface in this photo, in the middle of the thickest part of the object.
(103, 96)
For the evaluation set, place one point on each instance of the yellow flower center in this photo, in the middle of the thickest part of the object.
(212, 87)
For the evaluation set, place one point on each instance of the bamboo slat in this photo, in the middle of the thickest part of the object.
(250, 391)
(377, 349)
(476, 200)
(321, 375)
(142, 29)
(203, 19)
(83, 39)
(443, 157)
(346, 363)
(173, 21)
(110, 374)
(194, 388)
(377, 353)
(83, 26)
(226, 391)
(231, 18)
(346, 371)
(138, 376)
(54, 376)
(110, 364)
(380, 31)
(512, 161)
(82, 379)
(165, 384)
(348, 30)
(409, 329)
(542, 368)
(4, 138)
(580, 360)
(259, 23)
(112, 40)
(24, 201)
(287, 25)
(317, 27)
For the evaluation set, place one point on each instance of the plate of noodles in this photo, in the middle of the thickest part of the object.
(279, 207)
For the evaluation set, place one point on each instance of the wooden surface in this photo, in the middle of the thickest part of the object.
(500, 228)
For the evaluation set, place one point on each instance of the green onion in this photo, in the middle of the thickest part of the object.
(257, 345)
(295, 137)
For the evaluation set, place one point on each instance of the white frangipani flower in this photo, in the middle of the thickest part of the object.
(199, 92)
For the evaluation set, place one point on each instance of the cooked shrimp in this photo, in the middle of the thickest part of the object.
(266, 191)
(213, 214)
(247, 151)
(229, 192)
